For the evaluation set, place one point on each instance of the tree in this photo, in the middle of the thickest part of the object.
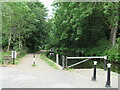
(24, 24)
(111, 12)
(82, 28)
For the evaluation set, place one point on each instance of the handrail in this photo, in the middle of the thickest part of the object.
(105, 57)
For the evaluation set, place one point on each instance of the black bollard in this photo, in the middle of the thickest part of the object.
(108, 76)
(94, 73)
(13, 60)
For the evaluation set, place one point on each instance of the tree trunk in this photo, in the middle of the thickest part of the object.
(9, 41)
(19, 43)
(113, 35)
(24, 44)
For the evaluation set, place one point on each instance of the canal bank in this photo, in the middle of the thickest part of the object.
(115, 67)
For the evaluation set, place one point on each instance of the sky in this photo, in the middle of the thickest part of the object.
(48, 4)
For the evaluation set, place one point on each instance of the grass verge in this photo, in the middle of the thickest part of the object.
(49, 61)
(22, 54)
(33, 65)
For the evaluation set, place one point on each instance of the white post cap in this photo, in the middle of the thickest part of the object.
(105, 57)
(95, 62)
(109, 65)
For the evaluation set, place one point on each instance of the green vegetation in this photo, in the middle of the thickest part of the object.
(86, 29)
(33, 65)
(23, 26)
(48, 61)
(0, 57)
(4, 54)
(21, 55)
(17, 60)
(76, 29)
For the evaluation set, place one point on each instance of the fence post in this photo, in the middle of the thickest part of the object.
(57, 59)
(63, 62)
(66, 61)
(105, 62)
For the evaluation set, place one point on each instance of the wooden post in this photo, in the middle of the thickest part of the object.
(66, 61)
(63, 62)
(57, 59)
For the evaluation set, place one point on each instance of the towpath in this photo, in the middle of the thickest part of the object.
(42, 75)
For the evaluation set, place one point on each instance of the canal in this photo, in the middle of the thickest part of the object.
(115, 67)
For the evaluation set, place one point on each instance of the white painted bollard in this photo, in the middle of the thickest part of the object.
(34, 62)
(14, 55)
(57, 59)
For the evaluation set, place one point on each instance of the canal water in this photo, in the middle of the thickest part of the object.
(115, 67)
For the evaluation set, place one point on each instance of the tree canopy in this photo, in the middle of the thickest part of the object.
(86, 28)
(76, 29)
(24, 25)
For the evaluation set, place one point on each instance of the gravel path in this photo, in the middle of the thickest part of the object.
(44, 76)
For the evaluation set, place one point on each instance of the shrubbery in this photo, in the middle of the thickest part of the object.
(112, 53)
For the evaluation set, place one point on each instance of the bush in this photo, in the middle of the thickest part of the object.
(98, 49)
(22, 53)
(112, 53)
